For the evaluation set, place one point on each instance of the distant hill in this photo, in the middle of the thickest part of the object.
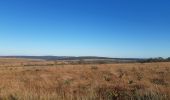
(73, 58)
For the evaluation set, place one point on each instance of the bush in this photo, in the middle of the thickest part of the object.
(158, 81)
(121, 73)
(94, 67)
(112, 93)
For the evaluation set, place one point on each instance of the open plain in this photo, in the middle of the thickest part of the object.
(26, 79)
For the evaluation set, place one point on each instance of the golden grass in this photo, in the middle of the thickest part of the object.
(150, 81)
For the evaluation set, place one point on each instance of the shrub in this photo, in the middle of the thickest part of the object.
(12, 97)
(150, 95)
(130, 82)
(94, 67)
(158, 81)
(139, 76)
(67, 82)
(112, 93)
(107, 75)
(121, 73)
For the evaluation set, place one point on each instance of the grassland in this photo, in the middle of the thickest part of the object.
(22, 79)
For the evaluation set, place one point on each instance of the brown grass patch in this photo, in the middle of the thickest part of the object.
(134, 81)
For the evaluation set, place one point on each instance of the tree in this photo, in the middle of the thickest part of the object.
(168, 58)
(160, 59)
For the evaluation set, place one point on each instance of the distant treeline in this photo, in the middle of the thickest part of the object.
(158, 59)
(92, 59)
(58, 57)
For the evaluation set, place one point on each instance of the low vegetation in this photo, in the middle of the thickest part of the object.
(51, 81)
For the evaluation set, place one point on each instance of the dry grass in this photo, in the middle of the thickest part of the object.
(135, 81)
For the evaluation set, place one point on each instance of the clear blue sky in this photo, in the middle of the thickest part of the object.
(113, 28)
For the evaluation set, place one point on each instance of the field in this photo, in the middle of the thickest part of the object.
(26, 79)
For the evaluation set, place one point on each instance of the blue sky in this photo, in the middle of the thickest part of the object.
(113, 28)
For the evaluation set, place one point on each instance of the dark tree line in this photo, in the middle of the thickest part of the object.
(158, 59)
(168, 58)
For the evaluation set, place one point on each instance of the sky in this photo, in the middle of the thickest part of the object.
(109, 28)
